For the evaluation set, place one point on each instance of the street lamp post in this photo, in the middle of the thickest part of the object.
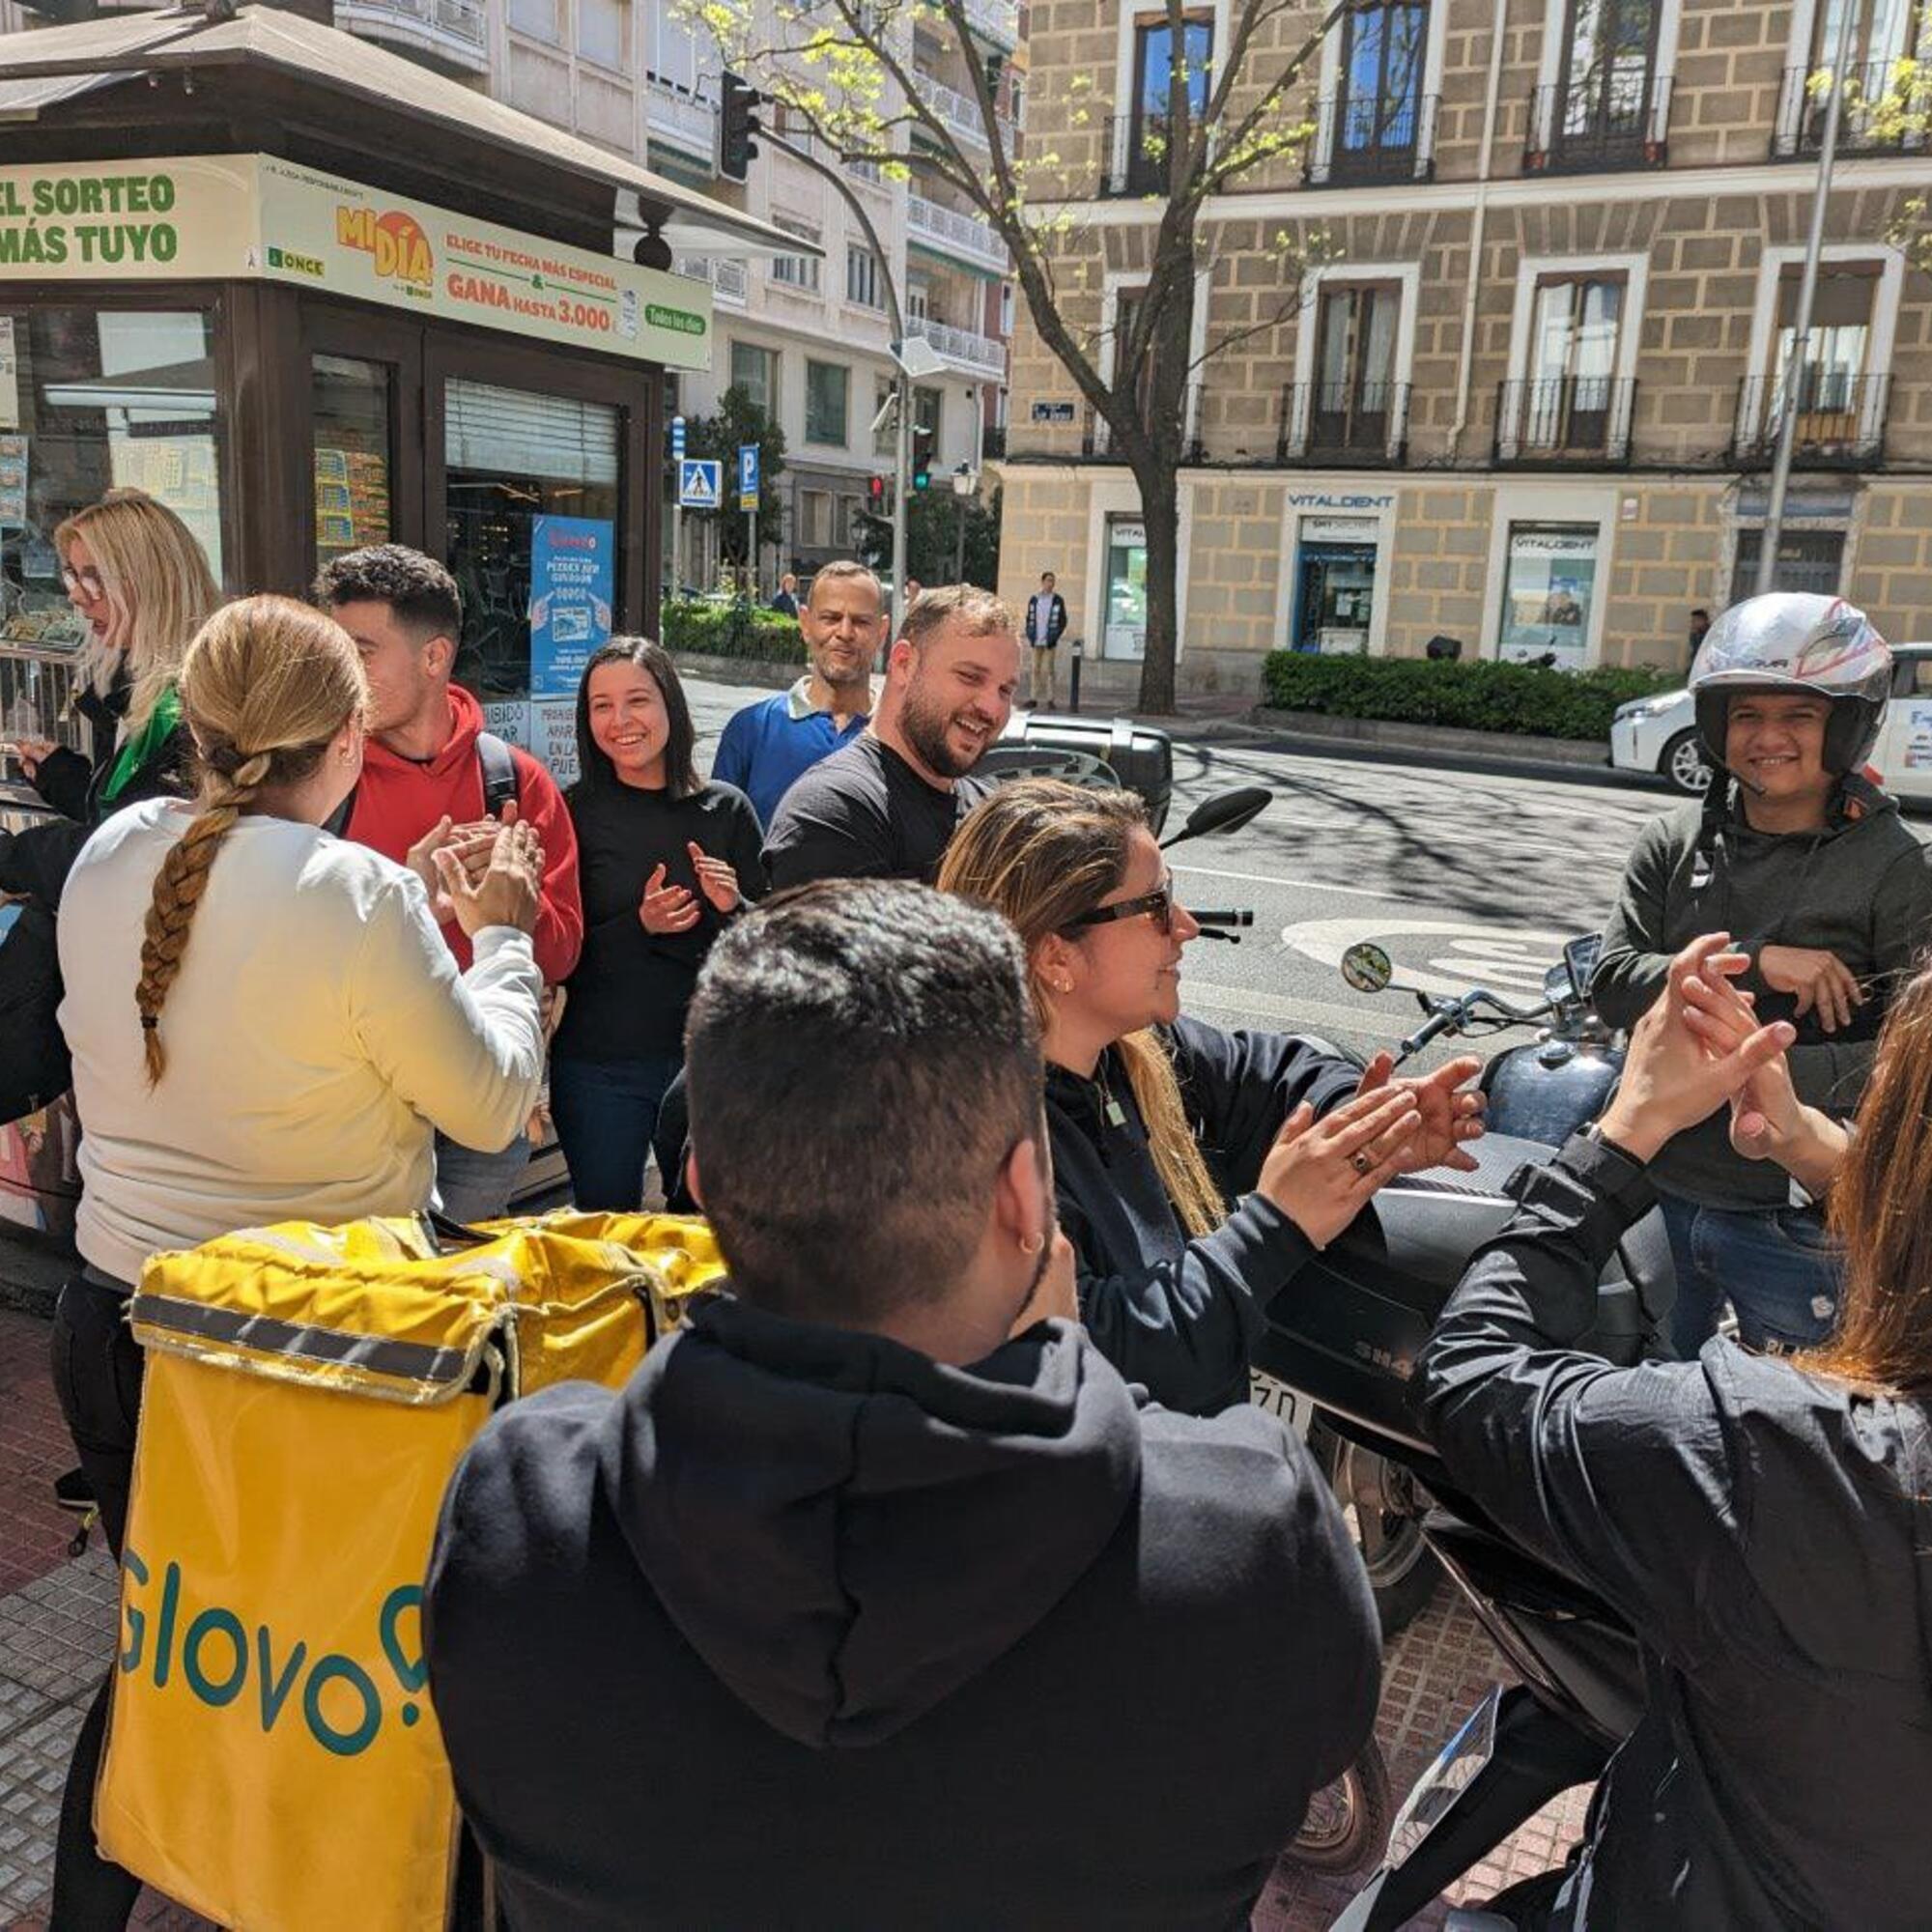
(964, 482)
(902, 380)
(1801, 322)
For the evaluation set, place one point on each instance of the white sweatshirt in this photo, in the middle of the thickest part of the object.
(317, 1034)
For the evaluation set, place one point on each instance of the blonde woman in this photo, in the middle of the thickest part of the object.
(265, 1026)
(1197, 1170)
(138, 580)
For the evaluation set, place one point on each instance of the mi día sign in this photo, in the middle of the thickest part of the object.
(220, 218)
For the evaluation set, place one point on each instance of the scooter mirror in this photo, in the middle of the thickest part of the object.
(1368, 968)
(1225, 812)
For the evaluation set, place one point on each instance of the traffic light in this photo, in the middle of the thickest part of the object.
(921, 458)
(737, 122)
(875, 494)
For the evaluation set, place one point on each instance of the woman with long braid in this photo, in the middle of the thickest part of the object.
(265, 1026)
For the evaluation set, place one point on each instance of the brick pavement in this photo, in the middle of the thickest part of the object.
(57, 1622)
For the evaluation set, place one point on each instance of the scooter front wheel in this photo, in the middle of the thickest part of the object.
(1347, 1829)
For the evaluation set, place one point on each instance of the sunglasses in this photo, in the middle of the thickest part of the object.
(1157, 905)
(87, 581)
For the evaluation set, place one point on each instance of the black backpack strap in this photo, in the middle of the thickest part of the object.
(337, 822)
(500, 783)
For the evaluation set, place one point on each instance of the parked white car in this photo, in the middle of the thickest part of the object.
(1660, 734)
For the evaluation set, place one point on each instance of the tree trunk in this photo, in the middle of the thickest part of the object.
(1160, 519)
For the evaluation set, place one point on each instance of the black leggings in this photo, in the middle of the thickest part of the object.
(97, 1366)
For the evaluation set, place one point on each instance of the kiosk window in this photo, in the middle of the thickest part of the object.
(93, 400)
(350, 403)
(531, 487)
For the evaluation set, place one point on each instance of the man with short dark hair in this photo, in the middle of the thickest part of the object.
(885, 806)
(427, 760)
(1045, 620)
(875, 1599)
(1700, 622)
(766, 746)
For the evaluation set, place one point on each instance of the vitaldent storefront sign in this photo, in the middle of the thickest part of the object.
(252, 216)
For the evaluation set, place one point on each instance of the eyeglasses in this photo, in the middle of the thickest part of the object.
(87, 581)
(1157, 905)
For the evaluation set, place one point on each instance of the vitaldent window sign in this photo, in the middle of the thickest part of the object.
(1547, 598)
(253, 217)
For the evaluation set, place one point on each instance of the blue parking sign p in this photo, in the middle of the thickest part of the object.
(748, 476)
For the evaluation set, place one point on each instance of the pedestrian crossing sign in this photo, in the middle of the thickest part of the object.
(698, 483)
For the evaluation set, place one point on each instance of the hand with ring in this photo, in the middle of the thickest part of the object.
(1319, 1173)
(1450, 1115)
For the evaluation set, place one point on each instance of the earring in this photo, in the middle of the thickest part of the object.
(1063, 985)
(1031, 1244)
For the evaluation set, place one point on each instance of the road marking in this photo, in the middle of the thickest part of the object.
(1501, 949)
(1300, 1015)
(1297, 885)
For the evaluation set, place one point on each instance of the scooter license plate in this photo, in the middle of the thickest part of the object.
(1278, 1398)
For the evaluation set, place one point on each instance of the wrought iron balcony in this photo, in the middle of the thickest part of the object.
(1356, 423)
(960, 113)
(1598, 126)
(1134, 159)
(1841, 420)
(1361, 140)
(1869, 122)
(1564, 422)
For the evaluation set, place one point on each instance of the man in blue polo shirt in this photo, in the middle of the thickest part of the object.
(768, 744)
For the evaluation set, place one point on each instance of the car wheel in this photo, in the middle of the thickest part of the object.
(1683, 765)
(1347, 1829)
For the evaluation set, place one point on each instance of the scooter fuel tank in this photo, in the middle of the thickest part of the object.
(1544, 1092)
(1348, 1328)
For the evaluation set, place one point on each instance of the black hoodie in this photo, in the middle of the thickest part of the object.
(1768, 1534)
(1182, 1316)
(802, 1628)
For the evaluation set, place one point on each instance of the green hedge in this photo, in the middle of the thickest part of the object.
(731, 631)
(1478, 695)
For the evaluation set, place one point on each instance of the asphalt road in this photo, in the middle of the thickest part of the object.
(1465, 878)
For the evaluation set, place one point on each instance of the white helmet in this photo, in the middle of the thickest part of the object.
(1794, 642)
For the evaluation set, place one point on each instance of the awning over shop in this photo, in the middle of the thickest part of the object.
(323, 89)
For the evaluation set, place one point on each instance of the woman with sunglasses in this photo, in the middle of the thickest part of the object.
(1158, 1124)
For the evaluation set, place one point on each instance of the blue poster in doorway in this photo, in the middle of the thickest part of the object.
(573, 574)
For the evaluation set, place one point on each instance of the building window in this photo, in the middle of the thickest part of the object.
(797, 272)
(1126, 314)
(1569, 403)
(865, 281)
(1156, 61)
(1809, 560)
(1354, 406)
(1839, 397)
(1124, 632)
(602, 32)
(1006, 312)
(755, 371)
(1547, 593)
(815, 519)
(1883, 32)
(1606, 111)
(1378, 108)
(826, 393)
(536, 17)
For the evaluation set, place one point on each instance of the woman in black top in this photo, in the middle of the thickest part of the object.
(665, 859)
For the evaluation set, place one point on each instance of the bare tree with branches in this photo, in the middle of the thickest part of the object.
(844, 68)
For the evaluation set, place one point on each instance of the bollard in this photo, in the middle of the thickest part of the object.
(1079, 651)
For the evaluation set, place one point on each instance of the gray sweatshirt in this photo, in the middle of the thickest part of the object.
(1861, 887)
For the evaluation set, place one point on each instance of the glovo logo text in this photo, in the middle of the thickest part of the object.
(213, 1657)
(395, 242)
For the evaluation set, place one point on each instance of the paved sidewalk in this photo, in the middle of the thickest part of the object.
(57, 1617)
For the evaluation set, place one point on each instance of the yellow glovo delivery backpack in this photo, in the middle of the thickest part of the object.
(272, 1760)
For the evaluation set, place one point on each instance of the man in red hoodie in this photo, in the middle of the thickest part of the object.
(423, 770)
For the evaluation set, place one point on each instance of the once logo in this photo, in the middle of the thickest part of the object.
(212, 1655)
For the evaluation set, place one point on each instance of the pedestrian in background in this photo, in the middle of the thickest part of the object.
(666, 858)
(1045, 620)
(786, 603)
(266, 1027)
(1700, 624)
(428, 780)
(768, 744)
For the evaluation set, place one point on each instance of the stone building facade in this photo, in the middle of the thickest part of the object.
(1505, 340)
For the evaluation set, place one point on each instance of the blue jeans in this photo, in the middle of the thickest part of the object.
(475, 1186)
(605, 1111)
(1776, 1266)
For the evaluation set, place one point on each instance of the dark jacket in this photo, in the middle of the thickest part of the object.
(1182, 1316)
(1768, 1534)
(1045, 618)
(1861, 888)
(631, 989)
(802, 1628)
(37, 859)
